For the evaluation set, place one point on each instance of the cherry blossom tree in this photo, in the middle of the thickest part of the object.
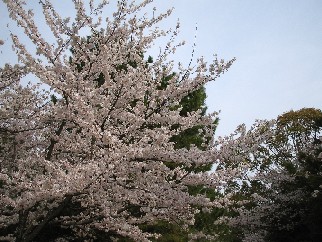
(83, 157)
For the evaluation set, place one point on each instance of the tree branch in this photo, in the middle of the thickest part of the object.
(50, 216)
(53, 142)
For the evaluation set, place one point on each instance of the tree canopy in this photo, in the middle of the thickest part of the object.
(279, 197)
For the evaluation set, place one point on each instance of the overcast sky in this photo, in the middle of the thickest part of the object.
(278, 46)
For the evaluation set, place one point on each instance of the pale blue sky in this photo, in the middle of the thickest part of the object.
(277, 43)
(278, 46)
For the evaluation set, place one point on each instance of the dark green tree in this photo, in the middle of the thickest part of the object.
(286, 171)
(301, 129)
